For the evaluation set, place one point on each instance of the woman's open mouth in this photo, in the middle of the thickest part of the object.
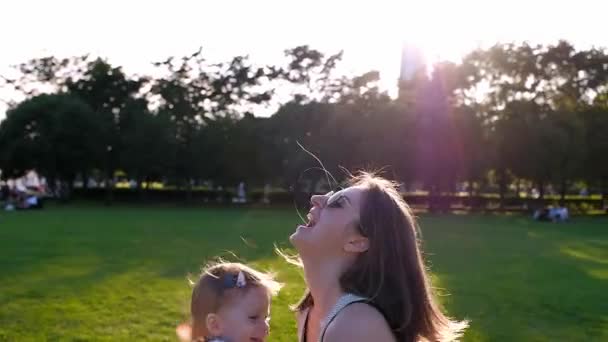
(311, 221)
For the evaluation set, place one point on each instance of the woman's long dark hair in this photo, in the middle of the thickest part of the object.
(391, 273)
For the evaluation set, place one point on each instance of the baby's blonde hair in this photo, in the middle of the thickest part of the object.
(217, 285)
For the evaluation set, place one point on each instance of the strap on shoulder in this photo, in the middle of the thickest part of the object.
(342, 303)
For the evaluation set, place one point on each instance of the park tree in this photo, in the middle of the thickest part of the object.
(312, 75)
(505, 70)
(47, 74)
(335, 128)
(297, 125)
(471, 145)
(516, 112)
(55, 134)
(145, 140)
(104, 88)
(573, 79)
(436, 154)
(530, 91)
(108, 91)
(568, 144)
(595, 166)
(198, 96)
(241, 151)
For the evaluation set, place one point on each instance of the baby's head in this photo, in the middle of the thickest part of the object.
(232, 301)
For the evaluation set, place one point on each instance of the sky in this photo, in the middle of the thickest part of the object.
(372, 33)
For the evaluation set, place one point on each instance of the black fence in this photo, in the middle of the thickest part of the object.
(442, 203)
(175, 195)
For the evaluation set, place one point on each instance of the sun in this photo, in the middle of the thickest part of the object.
(438, 30)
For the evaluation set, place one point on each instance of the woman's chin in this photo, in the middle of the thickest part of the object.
(298, 236)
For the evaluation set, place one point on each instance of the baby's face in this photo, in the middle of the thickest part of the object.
(247, 318)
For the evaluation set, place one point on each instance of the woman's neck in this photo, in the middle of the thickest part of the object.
(324, 285)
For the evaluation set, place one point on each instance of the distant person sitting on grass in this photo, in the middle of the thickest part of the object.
(541, 214)
(7, 196)
(4, 191)
(558, 214)
(553, 213)
(231, 303)
(16, 195)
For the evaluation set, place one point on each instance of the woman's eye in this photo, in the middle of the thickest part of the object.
(335, 204)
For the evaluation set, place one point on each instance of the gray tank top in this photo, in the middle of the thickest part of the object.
(343, 302)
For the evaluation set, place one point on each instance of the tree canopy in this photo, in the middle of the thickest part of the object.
(507, 114)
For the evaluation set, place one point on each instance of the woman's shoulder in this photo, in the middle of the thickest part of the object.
(359, 322)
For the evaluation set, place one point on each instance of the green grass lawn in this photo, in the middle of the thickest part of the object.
(120, 274)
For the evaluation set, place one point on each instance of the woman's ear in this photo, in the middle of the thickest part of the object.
(356, 244)
(214, 324)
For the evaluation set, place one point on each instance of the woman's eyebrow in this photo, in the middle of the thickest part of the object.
(341, 196)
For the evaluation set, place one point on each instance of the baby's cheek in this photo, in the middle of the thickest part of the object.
(240, 333)
(266, 328)
(255, 329)
(239, 330)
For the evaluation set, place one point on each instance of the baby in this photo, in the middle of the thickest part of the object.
(231, 303)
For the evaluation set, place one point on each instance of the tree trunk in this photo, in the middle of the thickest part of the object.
(541, 193)
(109, 178)
(51, 185)
(109, 191)
(188, 190)
(85, 183)
(604, 198)
(61, 191)
(472, 201)
(502, 187)
(140, 188)
(146, 189)
(432, 198)
(69, 189)
(562, 198)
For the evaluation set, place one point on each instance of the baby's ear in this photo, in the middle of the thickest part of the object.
(184, 332)
(214, 324)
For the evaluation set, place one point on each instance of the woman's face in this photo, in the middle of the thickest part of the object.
(332, 222)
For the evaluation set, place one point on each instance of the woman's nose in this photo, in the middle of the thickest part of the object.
(319, 200)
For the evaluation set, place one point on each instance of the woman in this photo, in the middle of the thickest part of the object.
(364, 270)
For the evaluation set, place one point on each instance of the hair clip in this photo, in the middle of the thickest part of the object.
(240, 280)
(233, 280)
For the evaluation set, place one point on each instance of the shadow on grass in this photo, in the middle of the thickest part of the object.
(98, 269)
(121, 273)
(513, 280)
